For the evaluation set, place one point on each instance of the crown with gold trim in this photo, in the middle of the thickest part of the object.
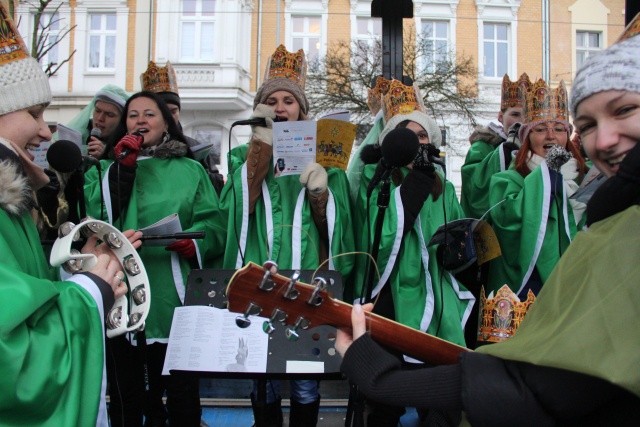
(374, 96)
(631, 30)
(12, 47)
(288, 65)
(513, 92)
(159, 79)
(401, 99)
(543, 103)
(501, 316)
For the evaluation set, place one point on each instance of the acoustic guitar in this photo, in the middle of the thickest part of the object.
(260, 291)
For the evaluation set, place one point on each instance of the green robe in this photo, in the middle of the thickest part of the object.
(281, 229)
(51, 337)
(482, 162)
(532, 230)
(163, 187)
(419, 286)
(585, 317)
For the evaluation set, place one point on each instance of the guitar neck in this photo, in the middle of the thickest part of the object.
(409, 341)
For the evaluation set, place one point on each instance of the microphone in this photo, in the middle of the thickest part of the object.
(399, 148)
(95, 132)
(126, 151)
(434, 156)
(65, 156)
(258, 121)
(175, 236)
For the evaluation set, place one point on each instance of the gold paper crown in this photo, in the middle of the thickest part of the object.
(631, 30)
(12, 47)
(544, 103)
(513, 92)
(401, 99)
(501, 316)
(160, 79)
(284, 64)
(374, 96)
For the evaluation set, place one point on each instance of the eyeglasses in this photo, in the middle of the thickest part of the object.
(544, 129)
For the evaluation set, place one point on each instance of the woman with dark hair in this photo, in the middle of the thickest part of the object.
(535, 219)
(152, 178)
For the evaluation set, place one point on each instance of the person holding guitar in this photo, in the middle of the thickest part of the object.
(574, 359)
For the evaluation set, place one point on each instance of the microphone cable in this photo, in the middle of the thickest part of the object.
(235, 197)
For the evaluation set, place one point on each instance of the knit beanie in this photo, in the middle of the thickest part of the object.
(615, 68)
(276, 84)
(23, 84)
(113, 95)
(429, 125)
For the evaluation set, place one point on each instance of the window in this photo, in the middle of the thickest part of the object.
(434, 44)
(306, 35)
(496, 49)
(197, 23)
(587, 43)
(102, 41)
(49, 30)
(368, 30)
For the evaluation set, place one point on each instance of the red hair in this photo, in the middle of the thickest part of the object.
(520, 162)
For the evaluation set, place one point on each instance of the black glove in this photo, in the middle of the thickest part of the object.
(414, 191)
(618, 192)
(48, 196)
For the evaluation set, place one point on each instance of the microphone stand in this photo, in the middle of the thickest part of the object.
(383, 204)
(356, 405)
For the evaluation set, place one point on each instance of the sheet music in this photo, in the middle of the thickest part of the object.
(207, 339)
(167, 225)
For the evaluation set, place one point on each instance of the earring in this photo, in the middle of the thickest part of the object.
(165, 137)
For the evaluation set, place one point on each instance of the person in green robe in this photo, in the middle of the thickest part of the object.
(297, 221)
(154, 179)
(51, 331)
(413, 288)
(534, 217)
(574, 359)
(492, 148)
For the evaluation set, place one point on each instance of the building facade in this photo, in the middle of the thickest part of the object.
(219, 49)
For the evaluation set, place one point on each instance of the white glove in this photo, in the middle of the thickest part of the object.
(569, 170)
(314, 178)
(264, 134)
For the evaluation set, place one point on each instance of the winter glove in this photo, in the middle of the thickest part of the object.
(414, 191)
(264, 134)
(48, 196)
(422, 163)
(314, 178)
(132, 144)
(513, 136)
(185, 248)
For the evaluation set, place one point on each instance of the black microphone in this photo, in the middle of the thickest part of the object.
(399, 148)
(258, 121)
(65, 156)
(175, 236)
(434, 156)
(126, 151)
(95, 132)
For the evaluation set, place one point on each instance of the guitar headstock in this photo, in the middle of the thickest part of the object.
(260, 291)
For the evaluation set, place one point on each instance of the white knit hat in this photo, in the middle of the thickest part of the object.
(429, 125)
(23, 84)
(615, 68)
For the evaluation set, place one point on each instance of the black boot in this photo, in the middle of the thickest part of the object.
(266, 414)
(304, 415)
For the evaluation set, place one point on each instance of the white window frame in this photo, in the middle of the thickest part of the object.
(441, 11)
(504, 12)
(588, 50)
(198, 20)
(496, 43)
(307, 8)
(54, 19)
(432, 65)
(103, 33)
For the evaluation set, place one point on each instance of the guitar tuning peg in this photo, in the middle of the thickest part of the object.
(320, 285)
(278, 315)
(270, 268)
(244, 321)
(292, 331)
(292, 293)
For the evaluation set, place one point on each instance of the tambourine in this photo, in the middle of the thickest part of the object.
(125, 315)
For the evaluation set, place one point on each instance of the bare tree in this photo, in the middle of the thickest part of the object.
(341, 79)
(42, 41)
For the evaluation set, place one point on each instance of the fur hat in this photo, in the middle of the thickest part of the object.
(23, 84)
(285, 71)
(615, 68)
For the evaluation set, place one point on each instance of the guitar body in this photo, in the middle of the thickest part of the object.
(254, 290)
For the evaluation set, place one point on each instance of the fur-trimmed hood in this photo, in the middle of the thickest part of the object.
(485, 134)
(15, 192)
